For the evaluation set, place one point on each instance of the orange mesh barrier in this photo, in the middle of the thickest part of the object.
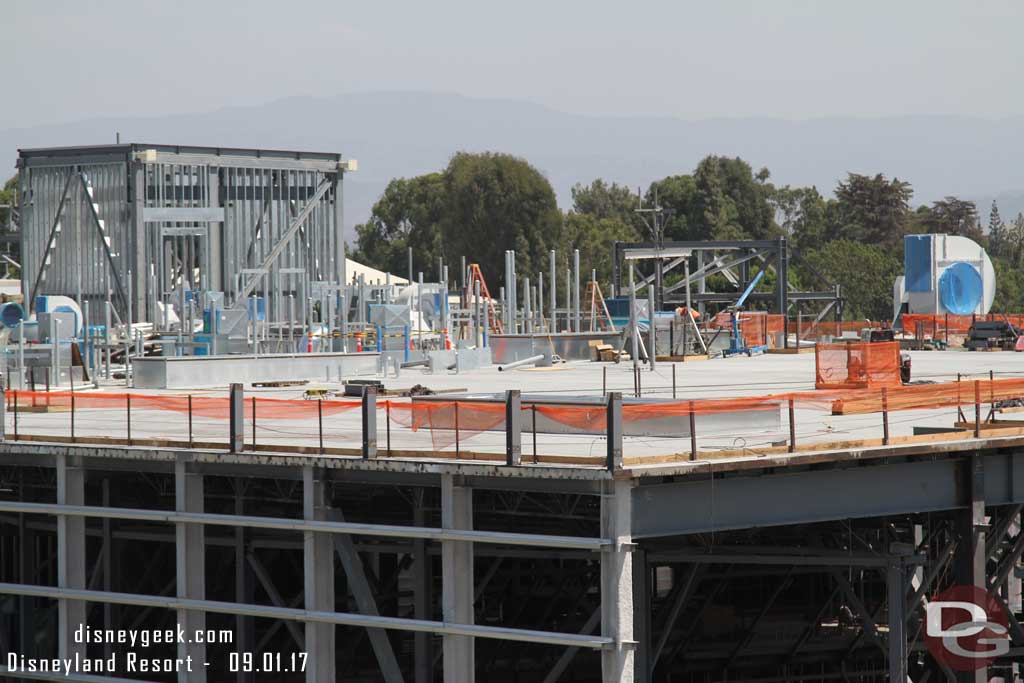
(757, 326)
(453, 422)
(215, 407)
(936, 326)
(925, 396)
(857, 365)
(449, 422)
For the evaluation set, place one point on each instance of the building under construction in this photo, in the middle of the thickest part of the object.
(449, 486)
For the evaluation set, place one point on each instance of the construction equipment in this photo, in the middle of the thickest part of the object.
(492, 311)
(737, 342)
(991, 334)
(600, 319)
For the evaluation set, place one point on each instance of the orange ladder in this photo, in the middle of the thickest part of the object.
(600, 319)
(476, 276)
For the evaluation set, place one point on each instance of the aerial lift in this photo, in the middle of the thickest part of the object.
(737, 342)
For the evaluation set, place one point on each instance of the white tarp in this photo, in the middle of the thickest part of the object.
(372, 276)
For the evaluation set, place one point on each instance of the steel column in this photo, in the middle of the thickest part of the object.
(190, 540)
(513, 428)
(618, 661)
(318, 572)
(70, 556)
(457, 580)
(971, 557)
(896, 594)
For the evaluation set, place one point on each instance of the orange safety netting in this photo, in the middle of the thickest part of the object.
(758, 327)
(924, 396)
(452, 422)
(215, 407)
(857, 365)
(936, 326)
(449, 422)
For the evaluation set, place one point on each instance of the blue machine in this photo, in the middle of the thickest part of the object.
(737, 343)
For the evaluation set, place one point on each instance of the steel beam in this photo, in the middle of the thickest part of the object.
(318, 525)
(695, 506)
(314, 616)
(363, 594)
(190, 567)
(457, 580)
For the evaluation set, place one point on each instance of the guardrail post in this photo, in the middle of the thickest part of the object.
(885, 417)
(792, 426)
(513, 428)
(236, 414)
(977, 409)
(614, 419)
(693, 433)
(369, 422)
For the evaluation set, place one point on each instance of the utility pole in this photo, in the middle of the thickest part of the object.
(656, 228)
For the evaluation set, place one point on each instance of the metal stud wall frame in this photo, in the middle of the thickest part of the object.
(139, 221)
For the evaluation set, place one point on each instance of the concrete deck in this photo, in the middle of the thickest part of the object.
(740, 376)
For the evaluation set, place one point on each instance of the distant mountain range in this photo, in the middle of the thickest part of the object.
(395, 134)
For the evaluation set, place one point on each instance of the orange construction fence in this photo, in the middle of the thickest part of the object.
(937, 326)
(452, 421)
(758, 327)
(857, 365)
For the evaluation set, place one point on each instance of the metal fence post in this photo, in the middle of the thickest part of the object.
(3, 414)
(128, 412)
(369, 422)
(885, 417)
(190, 420)
(792, 426)
(236, 414)
(513, 428)
(614, 420)
(693, 433)
(977, 409)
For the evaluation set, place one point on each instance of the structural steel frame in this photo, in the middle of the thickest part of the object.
(149, 218)
(721, 256)
(642, 518)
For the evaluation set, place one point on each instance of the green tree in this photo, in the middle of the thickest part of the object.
(997, 232)
(864, 271)
(953, 216)
(731, 202)
(1009, 287)
(602, 200)
(8, 193)
(802, 214)
(408, 214)
(595, 237)
(677, 195)
(873, 210)
(495, 202)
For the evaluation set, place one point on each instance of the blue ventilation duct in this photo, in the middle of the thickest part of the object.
(960, 288)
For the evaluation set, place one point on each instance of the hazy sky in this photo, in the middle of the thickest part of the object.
(65, 60)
